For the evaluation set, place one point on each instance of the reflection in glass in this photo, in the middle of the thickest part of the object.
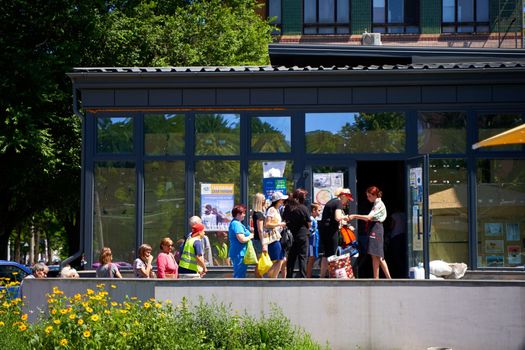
(114, 134)
(442, 132)
(114, 210)
(216, 172)
(271, 134)
(164, 202)
(355, 132)
(493, 124)
(448, 203)
(501, 212)
(255, 178)
(164, 134)
(217, 134)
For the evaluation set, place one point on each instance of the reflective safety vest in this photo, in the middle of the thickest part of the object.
(188, 259)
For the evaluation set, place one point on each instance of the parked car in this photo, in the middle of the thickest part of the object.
(11, 271)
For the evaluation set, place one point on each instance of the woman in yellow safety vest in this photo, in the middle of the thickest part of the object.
(192, 260)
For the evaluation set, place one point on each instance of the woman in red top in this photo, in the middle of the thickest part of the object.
(166, 265)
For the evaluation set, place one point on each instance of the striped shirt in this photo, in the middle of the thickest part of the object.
(378, 212)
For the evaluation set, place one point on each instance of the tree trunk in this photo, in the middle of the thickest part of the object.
(18, 239)
(49, 250)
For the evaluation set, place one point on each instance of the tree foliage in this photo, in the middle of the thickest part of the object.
(42, 41)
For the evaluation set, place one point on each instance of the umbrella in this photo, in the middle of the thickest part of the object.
(512, 136)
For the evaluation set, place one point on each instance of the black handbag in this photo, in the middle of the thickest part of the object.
(286, 238)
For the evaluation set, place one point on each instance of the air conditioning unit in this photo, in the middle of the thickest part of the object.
(371, 39)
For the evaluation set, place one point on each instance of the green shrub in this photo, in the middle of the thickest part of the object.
(93, 321)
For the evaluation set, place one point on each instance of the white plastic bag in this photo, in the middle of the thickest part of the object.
(440, 268)
(458, 270)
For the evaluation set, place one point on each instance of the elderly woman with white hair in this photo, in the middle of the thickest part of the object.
(68, 272)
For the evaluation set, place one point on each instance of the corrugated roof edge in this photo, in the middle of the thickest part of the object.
(252, 69)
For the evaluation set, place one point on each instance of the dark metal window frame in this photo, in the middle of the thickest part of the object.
(456, 24)
(317, 25)
(386, 25)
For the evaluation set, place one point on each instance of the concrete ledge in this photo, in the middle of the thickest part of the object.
(364, 314)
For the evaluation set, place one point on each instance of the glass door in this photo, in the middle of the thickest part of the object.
(418, 227)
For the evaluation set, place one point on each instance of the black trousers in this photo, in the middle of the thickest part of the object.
(298, 252)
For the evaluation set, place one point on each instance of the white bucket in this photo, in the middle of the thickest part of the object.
(417, 273)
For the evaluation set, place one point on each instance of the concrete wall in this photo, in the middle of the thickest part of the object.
(358, 314)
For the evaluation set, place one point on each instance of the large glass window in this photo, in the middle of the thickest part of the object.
(114, 134)
(448, 203)
(164, 134)
(271, 134)
(501, 212)
(164, 201)
(490, 124)
(217, 134)
(395, 16)
(256, 178)
(326, 16)
(274, 11)
(355, 132)
(442, 132)
(114, 210)
(465, 16)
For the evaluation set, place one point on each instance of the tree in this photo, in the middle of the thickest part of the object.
(42, 41)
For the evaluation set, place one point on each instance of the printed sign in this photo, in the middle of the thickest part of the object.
(273, 184)
(217, 202)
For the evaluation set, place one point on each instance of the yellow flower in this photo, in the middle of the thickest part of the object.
(77, 296)
(49, 329)
(24, 317)
(88, 309)
(72, 316)
(123, 311)
(113, 286)
(6, 304)
(63, 311)
(2, 324)
(53, 311)
(63, 342)
(101, 285)
(147, 305)
(80, 322)
(57, 291)
(22, 327)
(107, 312)
(86, 333)
(56, 321)
(90, 291)
(158, 305)
(114, 303)
(133, 298)
(95, 318)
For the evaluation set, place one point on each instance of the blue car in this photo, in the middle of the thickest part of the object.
(11, 271)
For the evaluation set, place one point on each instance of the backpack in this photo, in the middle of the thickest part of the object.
(286, 238)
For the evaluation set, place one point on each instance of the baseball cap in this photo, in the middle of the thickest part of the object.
(277, 195)
(344, 192)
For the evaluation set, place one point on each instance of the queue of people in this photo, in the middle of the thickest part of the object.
(315, 236)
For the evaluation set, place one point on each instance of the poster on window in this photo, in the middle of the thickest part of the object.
(493, 246)
(416, 184)
(325, 185)
(217, 202)
(514, 254)
(513, 232)
(274, 169)
(273, 184)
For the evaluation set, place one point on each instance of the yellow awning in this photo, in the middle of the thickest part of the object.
(509, 137)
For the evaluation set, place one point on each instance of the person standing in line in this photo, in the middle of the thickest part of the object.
(375, 230)
(142, 266)
(272, 233)
(238, 236)
(297, 218)
(166, 265)
(107, 269)
(39, 270)
(192, 259)
(329, 225)
(313, 240)
(258, 207)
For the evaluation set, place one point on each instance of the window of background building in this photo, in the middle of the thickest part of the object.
(164, 134)
(274, 10)
(217, 134)
(114, 134)
(500, 212)
(164, 202)
(114, 206)
(270, 134)
(465, 16)
(442, 132)
(355, 132)
(326, 16)
(448, 203)
(395, 16)
(490, 124)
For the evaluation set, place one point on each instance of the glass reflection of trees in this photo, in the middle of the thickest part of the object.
(255, 178)
(217, 134)
(267, 138)
(114, 134)
(164, 134)
(164, 201)
(490, 124)
(363, 133)
(114, 209)
(442, 132)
